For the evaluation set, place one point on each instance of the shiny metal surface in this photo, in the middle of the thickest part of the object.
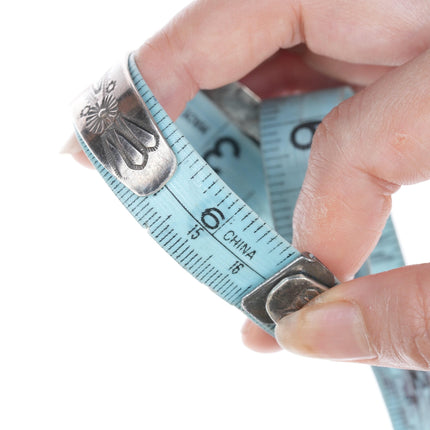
(289, 289)
(118, 128)
(291, 294)
(240, 105)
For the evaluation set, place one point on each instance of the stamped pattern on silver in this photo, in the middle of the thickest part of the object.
(118, 128)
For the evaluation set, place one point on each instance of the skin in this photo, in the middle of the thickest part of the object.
(364, 150)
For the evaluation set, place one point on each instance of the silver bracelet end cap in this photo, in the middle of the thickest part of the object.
(289, 290)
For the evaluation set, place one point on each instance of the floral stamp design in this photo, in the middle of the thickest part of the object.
(120, 134)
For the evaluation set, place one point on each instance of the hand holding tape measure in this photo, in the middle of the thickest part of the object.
(362, 152)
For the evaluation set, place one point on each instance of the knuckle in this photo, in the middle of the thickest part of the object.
(338, 140)
(292, 26)
(329, 136)
(328, 129)
(172, 44)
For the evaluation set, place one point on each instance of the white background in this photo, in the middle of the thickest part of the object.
(99, 328)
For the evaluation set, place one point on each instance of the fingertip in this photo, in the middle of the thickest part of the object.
(71, 146)
(257, 339)
(83, 160)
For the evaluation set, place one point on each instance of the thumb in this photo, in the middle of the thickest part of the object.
(381, 319)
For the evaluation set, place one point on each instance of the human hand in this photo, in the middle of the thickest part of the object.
(362, 152)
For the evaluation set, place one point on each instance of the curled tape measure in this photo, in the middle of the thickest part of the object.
(222, 234)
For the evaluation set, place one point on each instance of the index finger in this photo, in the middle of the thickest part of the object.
(362, 152)
(210, 44)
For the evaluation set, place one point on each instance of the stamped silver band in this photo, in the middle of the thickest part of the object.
(118, 128)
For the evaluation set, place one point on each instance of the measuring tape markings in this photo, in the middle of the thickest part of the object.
(227, 150)
(216, 208)
(199, 221)
(406, 392)
(407, 397)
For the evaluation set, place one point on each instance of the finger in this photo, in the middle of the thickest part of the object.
(362, 152)
(205, 46)
(214, 42)
(73, 148)
(257, 339)
(286, 73)
(382, 320)
(354, 74)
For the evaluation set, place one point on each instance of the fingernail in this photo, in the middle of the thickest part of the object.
(71, 147)
(333, 330)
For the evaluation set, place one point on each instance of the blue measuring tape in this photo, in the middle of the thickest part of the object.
(225, 238)
(196, 217)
